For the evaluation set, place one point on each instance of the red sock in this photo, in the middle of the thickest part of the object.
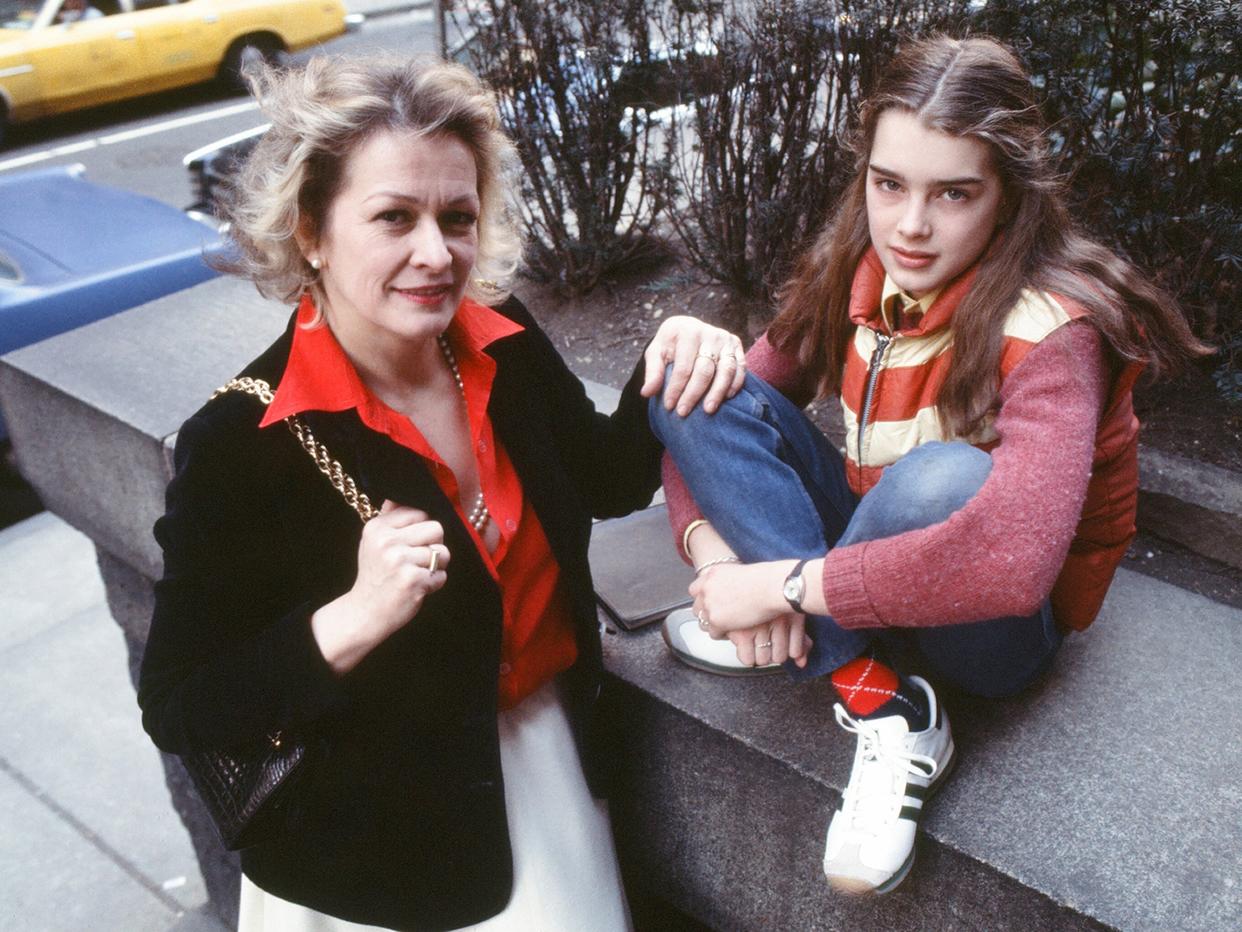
(864, 684)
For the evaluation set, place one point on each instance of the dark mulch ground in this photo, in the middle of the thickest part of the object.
(1189, 417)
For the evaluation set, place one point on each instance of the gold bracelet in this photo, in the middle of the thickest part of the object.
(685, 535)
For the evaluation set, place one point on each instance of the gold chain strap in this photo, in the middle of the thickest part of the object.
(340, 479)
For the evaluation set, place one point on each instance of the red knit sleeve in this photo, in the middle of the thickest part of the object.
(778, 369)
(1000, 554)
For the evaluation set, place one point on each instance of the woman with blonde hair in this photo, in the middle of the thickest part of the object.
(440, 660)
(984, 351)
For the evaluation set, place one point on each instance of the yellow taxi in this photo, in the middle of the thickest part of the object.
(59, 55)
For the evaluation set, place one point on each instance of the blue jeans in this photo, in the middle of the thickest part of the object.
(774, 488)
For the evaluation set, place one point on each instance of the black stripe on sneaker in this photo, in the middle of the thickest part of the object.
(916, 791)
(910, 813)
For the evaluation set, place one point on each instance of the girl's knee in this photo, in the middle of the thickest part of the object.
(698, 425)
(672, 428)
(934, 480)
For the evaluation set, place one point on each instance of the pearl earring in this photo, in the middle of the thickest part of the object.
(316, 264)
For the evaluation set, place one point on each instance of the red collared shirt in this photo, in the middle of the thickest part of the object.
(538, 639)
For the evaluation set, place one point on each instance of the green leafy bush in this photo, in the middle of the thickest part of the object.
(1146, 100)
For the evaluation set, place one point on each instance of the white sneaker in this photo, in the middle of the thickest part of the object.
(692, 645)
(870, 843)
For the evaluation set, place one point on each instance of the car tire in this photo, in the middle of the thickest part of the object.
(244, 52)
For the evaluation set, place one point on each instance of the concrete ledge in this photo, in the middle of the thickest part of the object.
(1195, 504)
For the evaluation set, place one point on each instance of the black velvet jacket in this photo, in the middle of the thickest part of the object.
(399, 817)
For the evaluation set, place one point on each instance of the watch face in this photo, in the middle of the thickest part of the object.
(793, 588)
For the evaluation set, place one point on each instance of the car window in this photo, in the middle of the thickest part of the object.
(9, 272)
(73, 11)
(18, 14)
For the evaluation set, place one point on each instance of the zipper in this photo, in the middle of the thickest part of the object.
(882, 343)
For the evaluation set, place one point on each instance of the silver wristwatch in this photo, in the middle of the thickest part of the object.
(795, 588)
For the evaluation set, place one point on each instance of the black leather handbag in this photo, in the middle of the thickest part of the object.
(246, 789)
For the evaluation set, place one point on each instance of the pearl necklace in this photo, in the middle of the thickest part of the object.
(479, 515)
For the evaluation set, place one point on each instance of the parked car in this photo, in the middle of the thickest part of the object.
(72, 252)
(61, 55)
(212, 166)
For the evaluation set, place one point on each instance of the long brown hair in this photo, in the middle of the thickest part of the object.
(978, 88)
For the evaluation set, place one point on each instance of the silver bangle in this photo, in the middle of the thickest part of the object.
(698, 570)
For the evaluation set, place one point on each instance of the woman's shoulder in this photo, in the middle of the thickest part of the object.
(511, 309)
(229, 419)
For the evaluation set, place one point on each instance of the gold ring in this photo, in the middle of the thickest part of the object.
(434, 563)
(703, 355)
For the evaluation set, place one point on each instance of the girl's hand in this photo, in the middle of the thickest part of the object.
(743, 602)
(783, 639)
(709, 365)
(395, 576)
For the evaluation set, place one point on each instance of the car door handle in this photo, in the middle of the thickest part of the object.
(126, 34)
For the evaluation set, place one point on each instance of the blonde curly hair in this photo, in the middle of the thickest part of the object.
(320, 114)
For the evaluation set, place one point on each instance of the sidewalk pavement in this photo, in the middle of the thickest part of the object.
(90, 839)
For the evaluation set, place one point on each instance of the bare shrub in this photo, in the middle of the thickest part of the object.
(571, 76)
(770, 88)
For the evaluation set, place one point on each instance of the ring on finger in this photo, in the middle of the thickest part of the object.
(703, 623)
(764, 645)
(707, 354)
(434, 563)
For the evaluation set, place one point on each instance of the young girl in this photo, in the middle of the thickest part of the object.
(984, 351)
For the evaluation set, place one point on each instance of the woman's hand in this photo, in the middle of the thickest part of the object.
(743, 602)
(709, 365)
(401, 560)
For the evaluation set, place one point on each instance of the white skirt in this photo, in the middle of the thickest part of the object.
(565, 873)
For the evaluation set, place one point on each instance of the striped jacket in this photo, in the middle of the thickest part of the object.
(888, 393)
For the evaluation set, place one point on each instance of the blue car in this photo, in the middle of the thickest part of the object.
(72, 252)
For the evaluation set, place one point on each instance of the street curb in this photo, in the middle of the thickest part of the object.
(396, 8)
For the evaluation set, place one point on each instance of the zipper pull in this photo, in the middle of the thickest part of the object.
(881, 344)
(882, 340)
